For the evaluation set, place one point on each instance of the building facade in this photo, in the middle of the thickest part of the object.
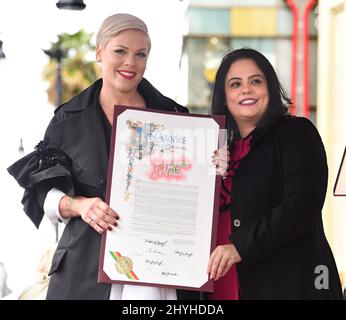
(331, 115)
(218, 26)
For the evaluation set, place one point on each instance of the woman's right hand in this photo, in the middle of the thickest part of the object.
(221, 158)
(94, 211)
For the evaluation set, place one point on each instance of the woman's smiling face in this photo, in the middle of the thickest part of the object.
(123, 60)
(246, 92)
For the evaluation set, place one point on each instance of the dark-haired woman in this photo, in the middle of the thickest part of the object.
(271, 242)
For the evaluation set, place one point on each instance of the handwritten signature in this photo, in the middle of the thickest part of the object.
(169, 274)
(187, 254)
(154, 262)
(154, 251)
(156, 242)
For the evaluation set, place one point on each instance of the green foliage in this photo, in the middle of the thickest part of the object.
(78, 68)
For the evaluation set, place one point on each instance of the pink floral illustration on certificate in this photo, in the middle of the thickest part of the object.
(168, 168)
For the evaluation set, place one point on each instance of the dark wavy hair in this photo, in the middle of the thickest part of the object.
(278, 99)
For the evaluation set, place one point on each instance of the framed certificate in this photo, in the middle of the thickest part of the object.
(340, 183)
(163, 185)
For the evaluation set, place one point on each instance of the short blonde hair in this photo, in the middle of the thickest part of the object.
(116, 23)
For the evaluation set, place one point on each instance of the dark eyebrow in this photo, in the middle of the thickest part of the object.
(238, 78)
(234, 78)
(256, 75)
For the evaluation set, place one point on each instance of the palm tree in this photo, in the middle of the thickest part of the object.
(79, 69)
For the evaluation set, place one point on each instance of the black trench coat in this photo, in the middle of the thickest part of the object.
(73, 157)
(278, 193)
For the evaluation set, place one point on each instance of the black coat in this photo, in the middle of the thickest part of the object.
(74, 158)
(278, 193)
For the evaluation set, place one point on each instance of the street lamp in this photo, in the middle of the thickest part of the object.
(71, 4)
(21, 148)
(2, 54)
(57, 54)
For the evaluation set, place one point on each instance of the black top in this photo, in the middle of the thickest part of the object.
(107, 128)
(278, 192)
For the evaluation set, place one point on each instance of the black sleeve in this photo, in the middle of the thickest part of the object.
(37, 173)
(304, 176)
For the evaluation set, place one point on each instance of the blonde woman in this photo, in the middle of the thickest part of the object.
(65, 177)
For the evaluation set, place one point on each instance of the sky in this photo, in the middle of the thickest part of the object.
(27, 27)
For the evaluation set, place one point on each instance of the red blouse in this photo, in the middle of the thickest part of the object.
(226, 288)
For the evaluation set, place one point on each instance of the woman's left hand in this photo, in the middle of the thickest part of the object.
(221, 260)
